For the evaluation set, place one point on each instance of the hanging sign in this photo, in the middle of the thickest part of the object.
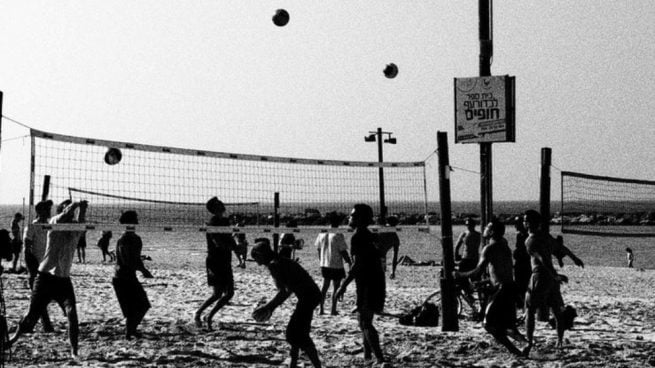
(484, 109)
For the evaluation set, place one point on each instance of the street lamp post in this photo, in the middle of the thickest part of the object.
(373, 137)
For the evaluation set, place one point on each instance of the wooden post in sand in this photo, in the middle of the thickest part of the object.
(276, 220)
(449, 320)
(544, 188)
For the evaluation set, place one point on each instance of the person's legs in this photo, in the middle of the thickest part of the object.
(324, 289)
(496, 321)
(371, 337)
(336, 284)
(297, 333)
(226, 296)
(214, 297)
(41, 296)
(73, 328)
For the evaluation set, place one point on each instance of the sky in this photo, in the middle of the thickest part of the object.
(220, 76)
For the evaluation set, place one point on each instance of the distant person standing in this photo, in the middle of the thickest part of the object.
(386, 242)
(103, 244)
(332, 251)
(35, 240)
(218, 263)
(131, 296)
(53, 281)
(630, 257)
(81, 249)
(16, 241)
(241, 249)
(470, 241)
(369, 279)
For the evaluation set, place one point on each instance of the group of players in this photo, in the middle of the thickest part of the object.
(49, 257)
(524, 278)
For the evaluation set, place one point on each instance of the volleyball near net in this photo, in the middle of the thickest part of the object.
(168, 187)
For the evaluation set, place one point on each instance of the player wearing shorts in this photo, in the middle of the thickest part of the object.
(218, 264)
(332, 251)
(500, 313)
(543, 289)
(290, 278)
(53, 281)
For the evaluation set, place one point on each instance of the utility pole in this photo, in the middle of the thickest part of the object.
(486, 53)
(373, 137)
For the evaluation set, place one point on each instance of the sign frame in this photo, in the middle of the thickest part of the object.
(485, 110)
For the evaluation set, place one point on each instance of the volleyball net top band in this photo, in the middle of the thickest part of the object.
(607, 206)
(168, 187)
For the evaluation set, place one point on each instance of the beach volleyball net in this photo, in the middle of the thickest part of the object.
(168, 187)
(600, 205)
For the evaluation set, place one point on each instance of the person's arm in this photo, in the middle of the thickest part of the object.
(27, 239)
(139, 262)
(394, 262)
(460, 241)
(280, 297)
(354, 268)
(482, 264)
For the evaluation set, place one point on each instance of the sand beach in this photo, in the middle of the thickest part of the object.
(615, 325)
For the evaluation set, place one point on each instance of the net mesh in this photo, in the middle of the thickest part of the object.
(171, 186)
(598, 205)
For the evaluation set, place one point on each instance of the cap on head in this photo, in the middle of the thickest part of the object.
(18, 216)
(43, 205)
(61, 206)
(129, 218)
(215, 206)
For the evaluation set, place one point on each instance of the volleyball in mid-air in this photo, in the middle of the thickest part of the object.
(391, 71)
(281, 18)
(113, 156)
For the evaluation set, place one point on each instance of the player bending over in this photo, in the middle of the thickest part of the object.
(290, 278)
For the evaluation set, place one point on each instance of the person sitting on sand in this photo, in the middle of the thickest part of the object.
(332, 251)
(290, 278)
(35, 239)
(500, 313)
(53, 281)
(103, 244)
(218, 264)
(543, 290)
(387, 241)
(369, 278)
(131, 296)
